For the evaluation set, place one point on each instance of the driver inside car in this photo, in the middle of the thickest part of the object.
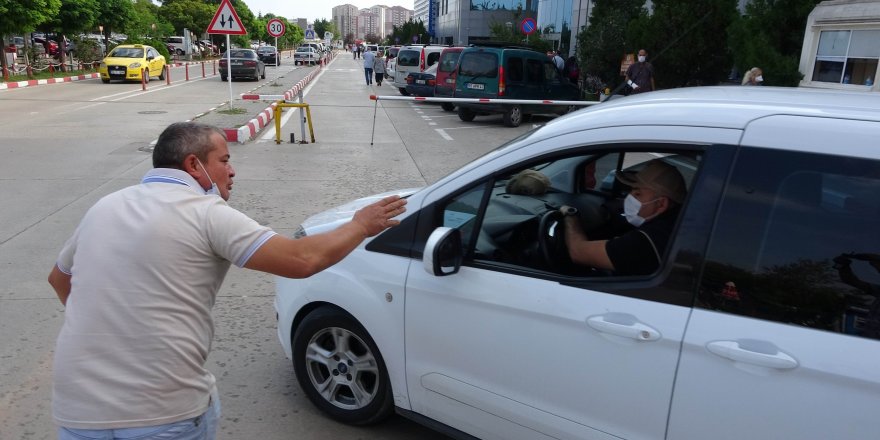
(651, 208)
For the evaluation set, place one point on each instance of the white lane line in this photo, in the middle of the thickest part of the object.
(130, 95)
(443, 134)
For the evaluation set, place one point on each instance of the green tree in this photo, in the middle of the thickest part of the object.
(404, 33)
(22, 16)
(194, 15)
(770, 36)
(114, 15)
(323, 25)
(686, 41)
(602, 45)
(74, 16)
(146, 22)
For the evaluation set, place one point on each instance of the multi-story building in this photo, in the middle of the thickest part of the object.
(378, 20)
(302, 23)
(345, 17)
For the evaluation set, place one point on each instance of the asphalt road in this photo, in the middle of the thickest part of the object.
(66, 145)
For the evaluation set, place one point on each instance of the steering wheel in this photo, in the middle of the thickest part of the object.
(552, 247)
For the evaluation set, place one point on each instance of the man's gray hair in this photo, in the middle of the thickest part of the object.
(182, 139)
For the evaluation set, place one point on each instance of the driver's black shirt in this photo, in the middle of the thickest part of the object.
(639, 251)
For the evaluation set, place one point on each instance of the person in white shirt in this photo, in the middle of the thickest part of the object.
(369, 60)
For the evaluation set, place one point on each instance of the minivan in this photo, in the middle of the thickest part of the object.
(445, 76)
(510, 73)
(415, 58)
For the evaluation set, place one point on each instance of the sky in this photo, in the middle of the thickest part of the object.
(314, 9)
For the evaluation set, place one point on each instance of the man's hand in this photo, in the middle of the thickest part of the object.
(377, 217)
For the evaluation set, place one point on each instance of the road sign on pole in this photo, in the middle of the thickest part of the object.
(226, 21)
(528, 26)
(275, 27)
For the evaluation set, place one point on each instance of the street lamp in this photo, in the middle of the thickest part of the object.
(509, 28)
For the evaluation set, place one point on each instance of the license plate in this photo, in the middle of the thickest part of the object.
(420, 81)
(117, 70)
(475, 86)
(237, 63)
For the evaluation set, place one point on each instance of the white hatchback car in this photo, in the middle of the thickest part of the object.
(762, 321)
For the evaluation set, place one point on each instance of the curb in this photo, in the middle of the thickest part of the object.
(246, 132)
(38, 82)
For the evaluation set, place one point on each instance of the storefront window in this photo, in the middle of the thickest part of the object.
(847, 57)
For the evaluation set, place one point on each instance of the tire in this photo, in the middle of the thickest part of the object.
(466, 114)
(448, 106)
(179, 52)
(162, 74)
(222, 78)
(105, 81)
(329, 377)
(403, 91)
(513, 116)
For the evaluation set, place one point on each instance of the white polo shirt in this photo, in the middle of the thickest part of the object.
(146, 264)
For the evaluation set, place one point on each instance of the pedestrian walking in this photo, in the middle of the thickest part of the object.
(640, 75)
(369, 60)
(379, 70)
(139, 278)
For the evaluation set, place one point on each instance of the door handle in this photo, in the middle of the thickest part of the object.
(734, 351)
(631, 329)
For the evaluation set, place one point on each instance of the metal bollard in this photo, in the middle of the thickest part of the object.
(5, 74)
(203, 69)
(214, 63)
(187, 70)
(168, 74)
(144, 75)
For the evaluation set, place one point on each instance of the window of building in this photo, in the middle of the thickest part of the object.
(847, 57)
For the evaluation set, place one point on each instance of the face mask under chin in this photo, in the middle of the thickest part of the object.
(214, 190)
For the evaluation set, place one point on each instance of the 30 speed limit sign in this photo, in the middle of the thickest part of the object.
(275, 27)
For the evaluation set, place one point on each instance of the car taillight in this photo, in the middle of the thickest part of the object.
(223, 62)
(409, 80)
(250, 63)
(422, 61)
(501, 84)
(431, 82)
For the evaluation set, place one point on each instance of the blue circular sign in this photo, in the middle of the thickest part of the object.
(528, 26)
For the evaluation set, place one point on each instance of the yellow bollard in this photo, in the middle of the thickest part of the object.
(283, 104)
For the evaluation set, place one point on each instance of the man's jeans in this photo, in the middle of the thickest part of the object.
(203, 427)
(369, 74)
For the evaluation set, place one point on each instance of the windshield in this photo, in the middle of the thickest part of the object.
(127, 52)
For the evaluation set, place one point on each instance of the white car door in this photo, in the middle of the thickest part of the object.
(502, 351)
(784, 341)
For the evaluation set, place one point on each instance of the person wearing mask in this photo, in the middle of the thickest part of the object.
(651, 208)
(753, 77)
(369, 61)
(139, 278)
(640, 75)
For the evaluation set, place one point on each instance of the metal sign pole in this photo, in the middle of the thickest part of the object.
(302, 117)
(229, 69)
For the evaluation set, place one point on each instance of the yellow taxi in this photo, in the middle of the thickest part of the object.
(129, 62)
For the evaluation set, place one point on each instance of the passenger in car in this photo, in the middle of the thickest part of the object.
(652, 206)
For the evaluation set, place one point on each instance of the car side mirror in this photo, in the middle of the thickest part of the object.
(150, 58)
(442, 255)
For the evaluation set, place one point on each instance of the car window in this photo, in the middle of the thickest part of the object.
(127, 52)
(448, 61)
(796, 242)
(514, 69)
(480, 64)
(432, 58)
(534, 71)
(408, 58)
(551, 73)
(517, 226)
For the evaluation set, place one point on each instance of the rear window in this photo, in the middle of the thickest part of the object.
(408, 57)
(175, 40)
(392, 51)
(448, 61)
(243, 54)
(478, 64)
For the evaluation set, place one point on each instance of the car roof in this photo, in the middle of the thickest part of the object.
(732, 107)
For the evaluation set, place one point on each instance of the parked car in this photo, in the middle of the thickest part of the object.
(445, 78)
(306, 55)
(422, 83)
(50, 46)
(269, 55)
(175, 45)
(510, 73)
(245, 64)
(413, 59)
(391, 61)
(762, 320)
(131, 62)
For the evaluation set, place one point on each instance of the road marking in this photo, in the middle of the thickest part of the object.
(443, 134)
(131, 94)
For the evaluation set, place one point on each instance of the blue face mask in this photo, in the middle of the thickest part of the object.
(213, 190)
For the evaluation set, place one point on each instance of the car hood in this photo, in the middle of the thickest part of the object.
(122, 60)
(335, 217)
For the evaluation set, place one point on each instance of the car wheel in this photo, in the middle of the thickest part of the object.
(340, 368)
(222, 78)
(448, 106)
(466, 114)
(105, 81)
(179, 51)
(162, 74)
(513, 116)
(403, 91)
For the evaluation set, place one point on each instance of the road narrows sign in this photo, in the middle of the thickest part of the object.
(275, 27)
(226, 21)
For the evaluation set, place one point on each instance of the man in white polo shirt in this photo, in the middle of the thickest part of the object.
(139, 278)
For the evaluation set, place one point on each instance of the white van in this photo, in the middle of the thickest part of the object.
(413, 59)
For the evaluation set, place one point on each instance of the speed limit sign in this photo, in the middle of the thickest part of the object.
(275, 27)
